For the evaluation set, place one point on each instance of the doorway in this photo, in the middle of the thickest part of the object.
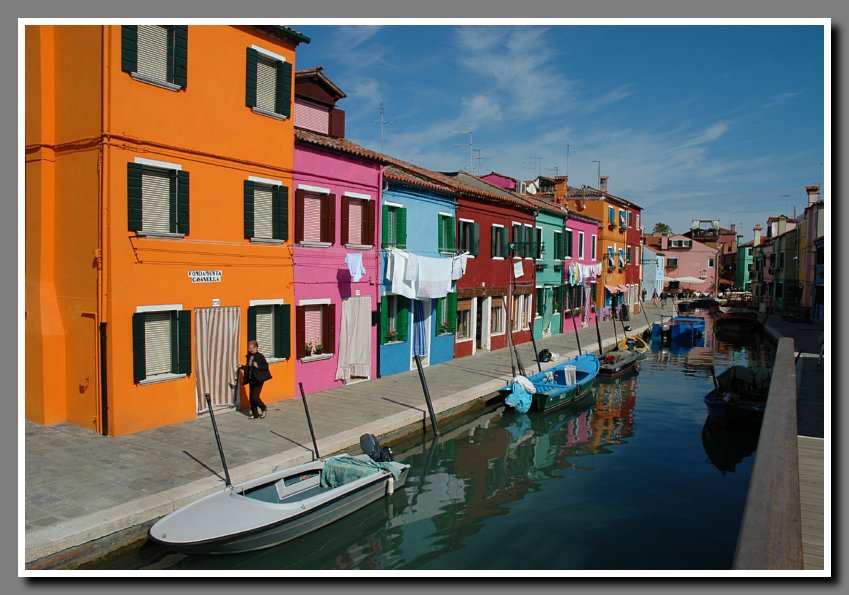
(420, 344)
(217, 356)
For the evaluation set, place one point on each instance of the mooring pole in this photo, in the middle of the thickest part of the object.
(575, 325)
(309, 420)
(227, 481)
(598, 332)
(427, 395)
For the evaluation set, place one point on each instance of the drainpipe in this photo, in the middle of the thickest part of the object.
(102, 226)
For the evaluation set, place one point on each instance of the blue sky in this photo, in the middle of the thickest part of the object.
(688, 121)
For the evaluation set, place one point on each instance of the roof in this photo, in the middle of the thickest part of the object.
(590, 192)
(339, 145)
(410, 175)
(284, 33)
(476, 188)
(321, 78)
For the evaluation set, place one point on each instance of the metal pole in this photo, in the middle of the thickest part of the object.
(574, 324)
(536, 353)
(309, 420)
(598, 333)
(227, 481)
(427, 395)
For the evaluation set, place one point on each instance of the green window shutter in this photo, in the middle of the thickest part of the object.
(384, 317)
(504, 243)
(250, 78)
(452, 312)
(452, 234)
(283, 331)
(129, 48)
(493, 250)
(249, 209)
(251, 323)
(440, 233)
(403, 323)
(384, 227)
(181, 55)
(439, 307)
(280, 212)
(134, 197)
(476, 239)
(283, 94)
(182, 202)
(402, 228)
(183, 347)
(138, 347)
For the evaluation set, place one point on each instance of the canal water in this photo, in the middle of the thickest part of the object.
(634, 477)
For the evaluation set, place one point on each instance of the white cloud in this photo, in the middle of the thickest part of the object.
(777, 100)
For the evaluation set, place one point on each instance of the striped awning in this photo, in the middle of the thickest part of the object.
(613, 288)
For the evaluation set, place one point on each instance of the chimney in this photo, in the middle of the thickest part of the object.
(602, 182)
(757, 229)
(664, 241)
(782, 224)
(739, 239)
(813, 193)
(561, 192)
(733, 227)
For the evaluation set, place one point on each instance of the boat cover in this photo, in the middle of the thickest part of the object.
(519, 398)
(344, 469)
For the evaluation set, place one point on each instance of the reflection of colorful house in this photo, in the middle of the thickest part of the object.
(144, 264)
(336, 217)
(419, 221)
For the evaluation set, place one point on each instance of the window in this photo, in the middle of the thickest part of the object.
(611, 216)
(315, 217)
(357, 227)
(621, 252)
(270, 325)
(628, 257)
(622, 219)
(157, 198)
(558, 245)
(610, 263)
(539, 302)
(268, 83)
(497, 314)
(748, 251)
(527, 312)
(567, 248)
(446, 314)
(638, 221)
(671, 263)
(470, 237)
(557, 299)
(446, 236)
(316, 328)
(530, 242)
(516, 311)
(781, 261)
(538, 244)
(266, 210)
(464, 315)
(162, 343)
(711, 262)
(499, 246)
(594, 247)
(394, 226)
(394, 318)
(581, 245)
(156, 54)
(630, 219)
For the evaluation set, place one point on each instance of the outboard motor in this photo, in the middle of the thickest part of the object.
(371, 447)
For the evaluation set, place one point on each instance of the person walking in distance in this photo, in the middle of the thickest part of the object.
(654, 298)
(255, 375)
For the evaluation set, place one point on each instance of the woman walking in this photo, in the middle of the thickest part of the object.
(255, 375)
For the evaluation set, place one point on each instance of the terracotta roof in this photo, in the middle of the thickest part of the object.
(340, 145)
(591, 192)
(476, 188)
(411, 175)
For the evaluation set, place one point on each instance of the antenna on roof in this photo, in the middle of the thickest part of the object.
(567, 158)
(555, 169)
(478, 159)
(469, 132)
(383, 123)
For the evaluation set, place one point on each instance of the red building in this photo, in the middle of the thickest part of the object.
(489, 296)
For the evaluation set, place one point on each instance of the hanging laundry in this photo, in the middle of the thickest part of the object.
(434, 280)
(399, 285)
(458, 266)
(412, 267)
(354, 260)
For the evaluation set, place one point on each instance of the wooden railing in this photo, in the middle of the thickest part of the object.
(771, 532)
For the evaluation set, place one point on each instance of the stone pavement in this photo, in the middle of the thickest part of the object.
(81, 486)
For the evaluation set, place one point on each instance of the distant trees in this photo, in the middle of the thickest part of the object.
(661, 227)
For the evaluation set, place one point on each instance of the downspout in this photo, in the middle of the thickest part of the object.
(102, 224)
(378, 223)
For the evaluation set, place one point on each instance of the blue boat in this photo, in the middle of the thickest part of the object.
(684, 329)
(560, 385)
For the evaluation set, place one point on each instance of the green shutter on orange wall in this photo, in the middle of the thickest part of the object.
(129, 48)
(283, 93)
(251, 77)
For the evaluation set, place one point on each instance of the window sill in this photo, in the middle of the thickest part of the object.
(155, 82)
(394, 343)
(315, 244)
(267, 241)
(316, 358)
(160, 235)
(496, 258)
(463, 340)
(276, 360)
(274, 115)
(359, 246)
(161, 378)
(444, 334)
(501, 334)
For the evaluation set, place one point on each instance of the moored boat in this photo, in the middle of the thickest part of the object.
(739, 394)
(635, 343)
(561, 384)
(616, 363)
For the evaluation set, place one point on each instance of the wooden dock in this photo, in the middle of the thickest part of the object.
(811, 493)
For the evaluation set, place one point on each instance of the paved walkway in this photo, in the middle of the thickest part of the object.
(81, 486)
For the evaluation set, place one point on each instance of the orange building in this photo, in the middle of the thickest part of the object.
(158, 199)
(614, 250)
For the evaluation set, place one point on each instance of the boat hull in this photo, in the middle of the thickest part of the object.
(620, 365)
(555, 393)
(549, 401)
(742, 411)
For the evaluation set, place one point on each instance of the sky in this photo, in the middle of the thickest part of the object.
(688, 121)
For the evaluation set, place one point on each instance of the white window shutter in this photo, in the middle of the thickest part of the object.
(157, 343)
(265, 329)
(153, 52)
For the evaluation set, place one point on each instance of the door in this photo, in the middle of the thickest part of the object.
(478, 323)
(217, 356)
(421, 333)
(485, 327)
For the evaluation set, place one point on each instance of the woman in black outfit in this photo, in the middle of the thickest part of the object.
(255, 374)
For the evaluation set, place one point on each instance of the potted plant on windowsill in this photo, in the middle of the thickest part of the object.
(391, 335)
(443, 328)
(319, 349)
(308, 349)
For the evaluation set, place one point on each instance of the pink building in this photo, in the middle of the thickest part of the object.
(686, 258)
(336, 216)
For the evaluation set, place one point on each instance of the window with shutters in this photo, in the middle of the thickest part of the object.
(395, 314)
(516, 309)
(538, 243)
(530, 242)
(156, 54)
(671, 263)
(527, 313)
(581, 245)
(594, 248)
(357, 222)
(157, 198)
(161, 344)
(315, 218)
(269, 323)
(610, 257)
(497, 316)
(558, 245)
(446, 234)
(266, 211)
(499, 246)
(611, 216)
(394, 226)
(538, 302)
(628, 258)
(464, 318)
(469, 237)
(567, 244)
(316, 330)
(268, 83)
(556, 299)
(446, 314)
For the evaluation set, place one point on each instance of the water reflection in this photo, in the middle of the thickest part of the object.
(727, 444)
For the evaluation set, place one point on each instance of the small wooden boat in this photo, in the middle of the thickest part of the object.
(637, 343)
(617, 363)
(739, 394)
(281, 506)
(562, 384)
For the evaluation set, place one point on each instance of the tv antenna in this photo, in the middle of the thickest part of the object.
(469, 132)
(383, 123)
(479, 159)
